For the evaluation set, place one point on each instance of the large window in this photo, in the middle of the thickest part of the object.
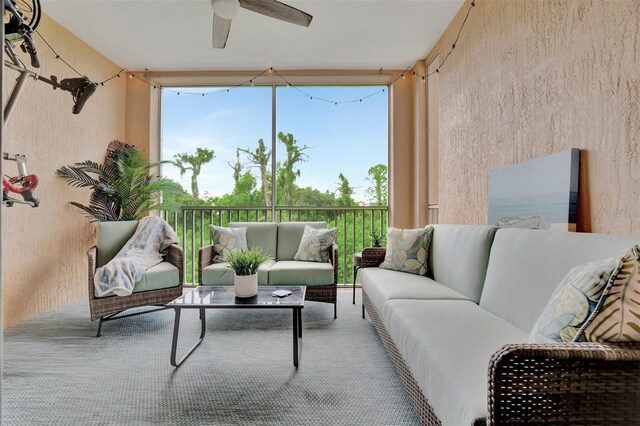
(211, 140)
(278, 154)
(221, 145)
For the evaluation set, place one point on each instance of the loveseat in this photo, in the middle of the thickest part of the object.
(458, 337)
(280, 241)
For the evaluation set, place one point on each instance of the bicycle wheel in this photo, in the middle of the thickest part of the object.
(28, 12)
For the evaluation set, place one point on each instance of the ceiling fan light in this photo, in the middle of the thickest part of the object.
(226, 9)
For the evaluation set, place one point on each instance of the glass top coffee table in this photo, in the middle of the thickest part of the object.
(224, 297)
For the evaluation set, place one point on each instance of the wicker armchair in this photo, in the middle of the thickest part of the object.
(107, 308)
(539, 384)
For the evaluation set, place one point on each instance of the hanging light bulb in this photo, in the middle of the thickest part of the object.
(227, 9)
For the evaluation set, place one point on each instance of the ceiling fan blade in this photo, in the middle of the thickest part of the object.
(221, 29)
(277, 10)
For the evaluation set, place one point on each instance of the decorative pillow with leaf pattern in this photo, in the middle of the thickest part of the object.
(315, 244)
(619, 318)
(227, 240)
(407, 250)
(574, 303)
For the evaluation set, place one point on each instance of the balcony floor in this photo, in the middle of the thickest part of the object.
(57, 372)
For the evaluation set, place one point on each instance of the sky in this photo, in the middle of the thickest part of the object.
(345, 138)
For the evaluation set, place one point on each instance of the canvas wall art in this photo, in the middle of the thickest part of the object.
(539, 194)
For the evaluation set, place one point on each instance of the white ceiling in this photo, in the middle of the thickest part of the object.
(164, 35)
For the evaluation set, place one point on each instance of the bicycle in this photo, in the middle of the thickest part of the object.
(21, 18)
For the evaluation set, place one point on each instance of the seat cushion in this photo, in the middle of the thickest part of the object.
(459, 255)
(381, 285)
(163, 275)
(447, 344)
(290, 235)
(111, 237)
(221, 274)
(294, 272)
(263, 235)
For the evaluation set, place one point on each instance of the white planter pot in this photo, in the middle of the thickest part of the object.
(245, 285)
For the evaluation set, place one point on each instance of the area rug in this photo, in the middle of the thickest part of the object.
(57, 372)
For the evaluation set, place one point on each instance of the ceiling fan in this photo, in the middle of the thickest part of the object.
(225, 10)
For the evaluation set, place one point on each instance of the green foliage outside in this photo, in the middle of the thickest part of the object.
(193, 163)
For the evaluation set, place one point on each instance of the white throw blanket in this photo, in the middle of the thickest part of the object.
(144, 249)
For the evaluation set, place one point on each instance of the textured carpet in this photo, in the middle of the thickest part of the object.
(57, 372)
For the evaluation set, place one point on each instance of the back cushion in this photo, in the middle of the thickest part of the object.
(260, 234)
(290, 235)
(111, 237)
(459, 255)
(527, 265)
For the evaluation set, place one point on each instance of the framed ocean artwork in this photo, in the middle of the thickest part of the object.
(538, 194)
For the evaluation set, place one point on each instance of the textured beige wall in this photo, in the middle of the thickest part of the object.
(530, 78)
(401, 154)
(44, 249)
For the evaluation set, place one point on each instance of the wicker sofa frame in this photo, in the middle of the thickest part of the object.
(539, 384)
(315, 293)
(107, 308)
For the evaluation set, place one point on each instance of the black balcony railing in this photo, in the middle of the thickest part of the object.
(354, 224)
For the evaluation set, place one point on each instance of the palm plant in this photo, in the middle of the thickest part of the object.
(123, 187)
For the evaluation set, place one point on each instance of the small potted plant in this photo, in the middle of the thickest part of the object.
(376, 239)
(245, 264)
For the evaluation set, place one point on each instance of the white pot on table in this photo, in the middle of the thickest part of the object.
(245, 285)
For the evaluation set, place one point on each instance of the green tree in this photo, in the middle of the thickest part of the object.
(260, 158)
(244, 193)
(186, 162)
(288, 173)
(377, 193)
(237, 167)
(312, 197)
(346, 191)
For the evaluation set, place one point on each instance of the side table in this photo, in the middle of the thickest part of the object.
(357, 264)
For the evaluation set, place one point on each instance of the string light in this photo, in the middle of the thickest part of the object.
(272, 71)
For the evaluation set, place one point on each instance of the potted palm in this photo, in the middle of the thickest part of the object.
(245, 264)
(123, 186)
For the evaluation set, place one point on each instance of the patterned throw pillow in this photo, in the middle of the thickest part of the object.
(619, 318)
(227, 240)
(315, 244)
(407, 250)
(574, 303)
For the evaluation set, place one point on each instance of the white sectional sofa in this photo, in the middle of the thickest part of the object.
(458, 338)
